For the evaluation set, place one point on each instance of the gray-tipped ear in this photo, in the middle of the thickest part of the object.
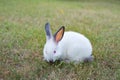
(48, 31)
(59, 34)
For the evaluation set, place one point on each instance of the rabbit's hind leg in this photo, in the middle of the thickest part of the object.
(89, 59)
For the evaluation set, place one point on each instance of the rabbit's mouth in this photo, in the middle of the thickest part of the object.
(54, 62)
(51, 61)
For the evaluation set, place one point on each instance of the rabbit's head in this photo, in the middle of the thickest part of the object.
(51, 49)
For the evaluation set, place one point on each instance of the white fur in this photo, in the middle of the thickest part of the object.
(74, 47)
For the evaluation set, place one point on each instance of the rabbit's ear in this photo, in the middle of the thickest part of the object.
(48, 31)
(59, 34)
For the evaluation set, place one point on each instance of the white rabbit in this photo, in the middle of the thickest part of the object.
(67, 46)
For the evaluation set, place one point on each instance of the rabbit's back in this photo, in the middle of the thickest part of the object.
(75, 46)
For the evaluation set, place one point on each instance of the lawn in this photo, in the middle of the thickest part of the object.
(22, 38)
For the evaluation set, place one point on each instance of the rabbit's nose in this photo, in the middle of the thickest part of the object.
(51, 61)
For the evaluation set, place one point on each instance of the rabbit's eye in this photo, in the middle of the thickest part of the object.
(54, 51)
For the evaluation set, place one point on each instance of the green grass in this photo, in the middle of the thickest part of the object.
(22, 38)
